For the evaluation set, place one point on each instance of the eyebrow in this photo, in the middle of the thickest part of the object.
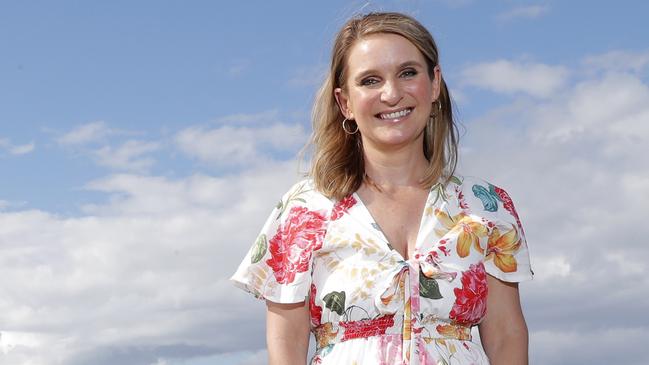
(365, 73)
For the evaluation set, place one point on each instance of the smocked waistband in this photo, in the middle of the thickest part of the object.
(427, 329)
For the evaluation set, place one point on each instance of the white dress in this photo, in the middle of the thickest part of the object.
(370, 306)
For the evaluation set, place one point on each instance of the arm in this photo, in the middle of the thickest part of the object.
(503, 331)
(287, 333)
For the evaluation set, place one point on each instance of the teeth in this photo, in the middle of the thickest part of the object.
(395, 115)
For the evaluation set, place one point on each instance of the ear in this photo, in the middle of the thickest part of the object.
(343, 103)
(436, 83)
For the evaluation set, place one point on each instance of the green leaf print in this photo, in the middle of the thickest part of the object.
(281, 205)
(439, 193)
(259, 250)
(456, 180)
(428, 287)
(335, 301)
(440, 190)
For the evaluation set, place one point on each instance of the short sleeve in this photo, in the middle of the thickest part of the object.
(278, 266)
(507, 255)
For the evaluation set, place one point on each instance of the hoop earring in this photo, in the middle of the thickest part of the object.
(439, 109)
(345, 127)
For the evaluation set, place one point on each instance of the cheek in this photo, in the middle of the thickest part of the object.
(361, 100)
(422, 91)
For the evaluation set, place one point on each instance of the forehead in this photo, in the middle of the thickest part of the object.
(382, 51)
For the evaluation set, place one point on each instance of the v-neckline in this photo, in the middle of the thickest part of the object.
(377, 227)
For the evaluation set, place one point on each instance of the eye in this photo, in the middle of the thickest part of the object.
(410, 72)
(369, 81)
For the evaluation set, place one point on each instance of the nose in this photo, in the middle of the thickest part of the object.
(391, 93)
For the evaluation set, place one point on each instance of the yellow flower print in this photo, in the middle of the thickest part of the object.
(467, 229)
(446, 221)
(502, 247)
(454, 331)
(325, 335)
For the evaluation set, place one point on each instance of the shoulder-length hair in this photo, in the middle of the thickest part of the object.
(337, 166)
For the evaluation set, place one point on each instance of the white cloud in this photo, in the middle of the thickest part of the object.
(130, 156)
(504, 76)
(22, 149)
(617, 119)
(140, 278)
(86, 133)
(26, 348)
(96, 140)
(552, 268)
(16, 149)
(459, 96)
(228, 146)
(598, 346)
(575, 165)
(8, 204)
(619, 60)
(256, 358)
(248, 357)
(523, 12)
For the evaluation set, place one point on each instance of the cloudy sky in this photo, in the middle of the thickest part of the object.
(143, 143)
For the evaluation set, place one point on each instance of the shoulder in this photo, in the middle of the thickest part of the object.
(304, 195)
(468, 181)
(478, 194)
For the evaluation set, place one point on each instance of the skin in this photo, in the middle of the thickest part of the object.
(503, 331)
(287, 333)
(387, 73)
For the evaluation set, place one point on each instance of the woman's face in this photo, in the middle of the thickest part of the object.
(388, 91)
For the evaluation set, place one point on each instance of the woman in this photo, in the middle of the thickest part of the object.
(383, 253)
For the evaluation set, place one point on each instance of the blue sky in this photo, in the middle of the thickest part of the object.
(118, 118)
(151, 68)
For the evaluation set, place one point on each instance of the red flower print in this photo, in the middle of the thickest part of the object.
(316, 310)
(433, 257)
(471, 300)
(342, 206)
(367, 327)
(460, 198)
(509, 205)
(293, 244)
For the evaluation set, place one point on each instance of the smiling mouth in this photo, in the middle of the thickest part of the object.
(395, 115)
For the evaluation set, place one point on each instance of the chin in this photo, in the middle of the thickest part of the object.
(398, 140)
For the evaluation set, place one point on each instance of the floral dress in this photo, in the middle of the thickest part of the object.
(370, 306)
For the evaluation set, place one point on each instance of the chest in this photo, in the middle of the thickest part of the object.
(398, 215)
(356, 266)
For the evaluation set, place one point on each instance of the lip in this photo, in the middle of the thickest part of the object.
(378, 115)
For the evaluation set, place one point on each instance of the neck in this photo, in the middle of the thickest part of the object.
(399, 167)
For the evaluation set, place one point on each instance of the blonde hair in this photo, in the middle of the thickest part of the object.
(337, 166)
